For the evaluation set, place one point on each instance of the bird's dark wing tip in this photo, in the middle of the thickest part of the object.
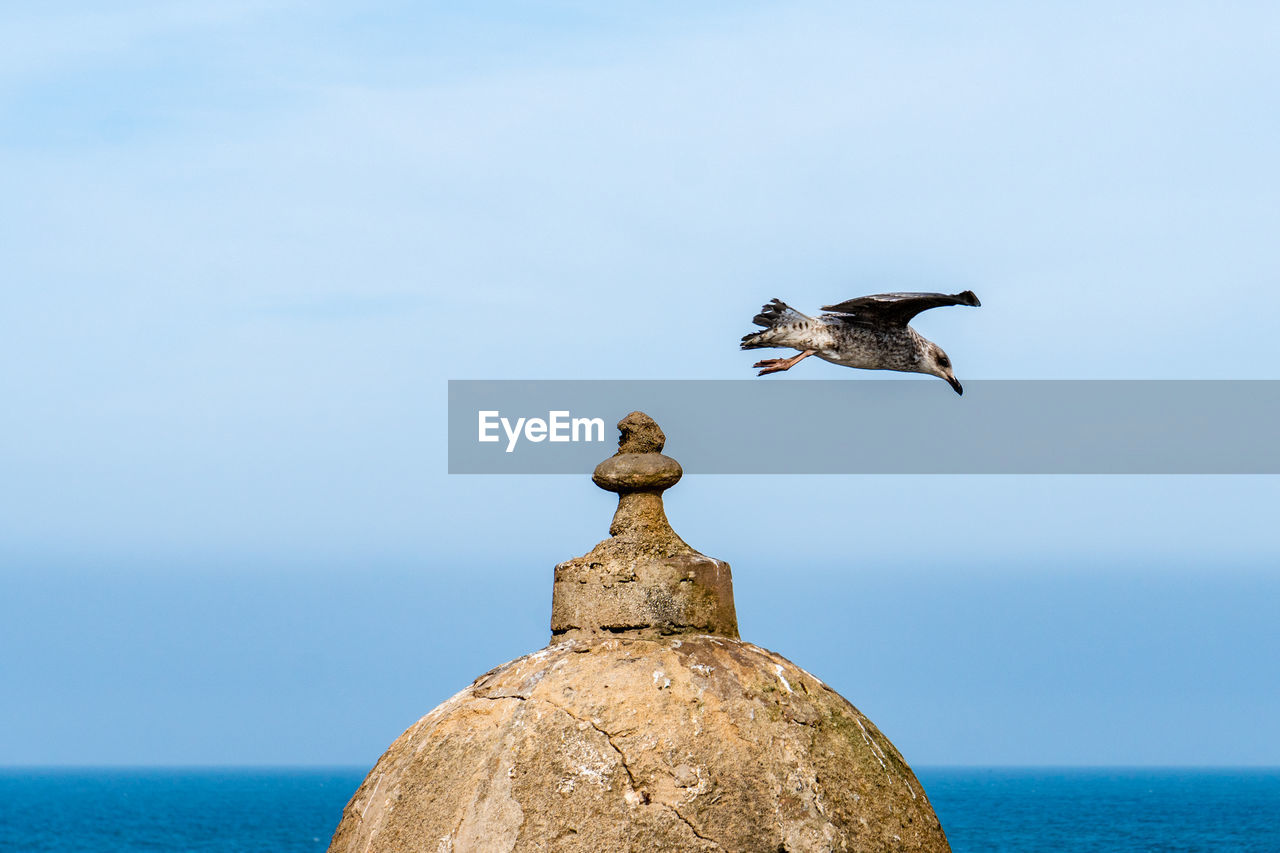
(968, 297)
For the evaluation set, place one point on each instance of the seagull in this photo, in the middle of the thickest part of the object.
(869, 332)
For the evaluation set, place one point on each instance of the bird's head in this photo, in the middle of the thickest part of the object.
(937, 363)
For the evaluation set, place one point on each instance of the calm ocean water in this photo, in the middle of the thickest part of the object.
(989, 810)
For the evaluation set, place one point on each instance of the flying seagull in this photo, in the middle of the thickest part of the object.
(870, 332)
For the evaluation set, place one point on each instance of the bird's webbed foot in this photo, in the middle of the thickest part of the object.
(777, 365)
(772, 365)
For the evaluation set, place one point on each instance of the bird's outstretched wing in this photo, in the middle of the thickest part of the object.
(896, 309)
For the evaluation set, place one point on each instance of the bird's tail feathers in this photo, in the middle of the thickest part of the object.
(774, 313)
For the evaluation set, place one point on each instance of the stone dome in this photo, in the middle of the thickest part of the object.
(646, 725)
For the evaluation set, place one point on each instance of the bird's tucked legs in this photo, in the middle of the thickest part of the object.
(776, 365)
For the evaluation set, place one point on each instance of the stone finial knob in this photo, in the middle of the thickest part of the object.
(644, 579)
(640, 434)
(639, 465)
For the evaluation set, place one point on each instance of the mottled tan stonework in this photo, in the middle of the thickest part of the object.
(646, 726)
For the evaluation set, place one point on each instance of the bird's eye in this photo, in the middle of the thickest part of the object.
(944, 361)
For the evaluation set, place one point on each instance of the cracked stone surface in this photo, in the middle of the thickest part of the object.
(693, 743)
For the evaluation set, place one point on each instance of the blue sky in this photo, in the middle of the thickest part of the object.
(247, 243)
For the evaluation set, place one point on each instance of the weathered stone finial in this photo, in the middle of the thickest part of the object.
(643, 579)
(639, 465)
(639, 473)
(640, 434)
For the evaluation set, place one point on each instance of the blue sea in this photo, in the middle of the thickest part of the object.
(982, 810)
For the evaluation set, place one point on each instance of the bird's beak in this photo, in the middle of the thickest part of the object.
(955, 383)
